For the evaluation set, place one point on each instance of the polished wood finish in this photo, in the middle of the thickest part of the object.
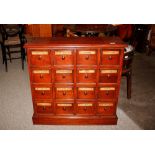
(39, 30)
(75, 80)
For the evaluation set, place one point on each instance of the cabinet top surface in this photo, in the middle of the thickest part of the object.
(75, 42)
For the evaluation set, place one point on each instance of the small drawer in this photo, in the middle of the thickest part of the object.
(40, 58)
(64, 76)
(42, 91)
(86, 75)
(44, 107)
(85, 108)
(41, 76)
(63, 57)
(107, 92)
(110, 57)
(108, 76)
(86, 93)
(106, 108)
(87, 57)
(64, 93)
(64, 108)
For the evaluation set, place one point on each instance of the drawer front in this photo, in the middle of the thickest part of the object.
(63, 57)
(87, 57)
(85, 108)
(110, 57)
(107, 92)
(106, 108)
(42, 91)
(64, 108)
(40, 58)
(41, 76)
(86, 76)
(44, 107)
(108, 76)
(64, 93)
(86, 93)
(64, 76)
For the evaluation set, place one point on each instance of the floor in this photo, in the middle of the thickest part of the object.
(137, 113)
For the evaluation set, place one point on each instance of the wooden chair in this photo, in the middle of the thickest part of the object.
(127, 70)
(12, 42)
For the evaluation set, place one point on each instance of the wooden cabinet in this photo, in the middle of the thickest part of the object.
(75, 80)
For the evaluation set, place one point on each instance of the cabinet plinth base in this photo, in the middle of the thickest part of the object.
(74, 120)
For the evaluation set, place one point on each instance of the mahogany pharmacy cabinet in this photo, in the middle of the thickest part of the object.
(75, 80)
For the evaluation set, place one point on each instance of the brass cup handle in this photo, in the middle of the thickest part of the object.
(63, 57)
(43, 93)
(85, 93)
(86, 76)
(87, 57)
(110, 57)
(64, 93)
(41, 76)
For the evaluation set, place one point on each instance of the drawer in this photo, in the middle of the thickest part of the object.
(86, 93)
(44, 107)
(108, 76)
(64, 93)
(107, 92)
(40, 58)
(64, 76)
(87, 57)
(64, 108)
(41, 76)
(63, 57)
(86, 75)
(106, 108)
(85, 108)
(42, 91)
(110, 57)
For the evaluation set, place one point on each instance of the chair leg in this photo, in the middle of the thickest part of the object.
(5, 60)
(9, 54)
(22, 57)
(129, 84)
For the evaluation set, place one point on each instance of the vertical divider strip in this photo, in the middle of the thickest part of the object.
(75, 80)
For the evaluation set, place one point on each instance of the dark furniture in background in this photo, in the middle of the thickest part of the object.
(151, 40)
(127, 71)
(12, 42)
(75, 80)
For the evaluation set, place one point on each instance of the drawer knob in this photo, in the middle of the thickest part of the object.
(63, 57)
(105, 108)
(64, 108)
(110, 57)
(86, 76)
(108, 75)
(107, 93)
(85, 108)
(87, 57)
(43, 93)
(63, 76)
(85, 93)
(41, 76)
(44, 108)
(64, 93)
(39, 58)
